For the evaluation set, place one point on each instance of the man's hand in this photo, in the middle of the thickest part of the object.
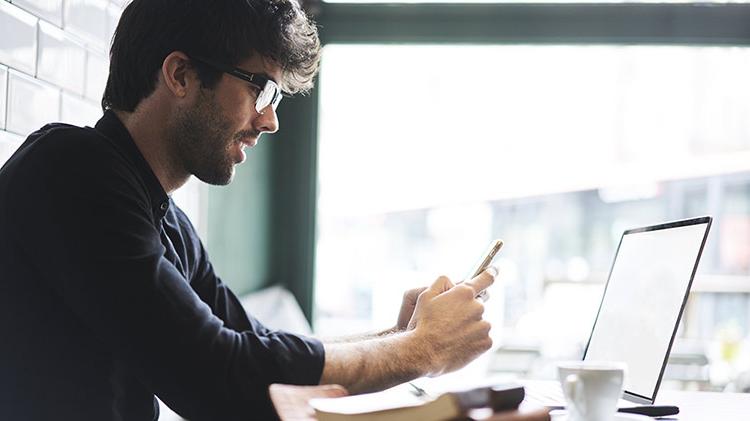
(291, 402)
(448, 321)
(407, 307)
(445, 332)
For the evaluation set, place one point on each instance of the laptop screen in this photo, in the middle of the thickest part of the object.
(644, 298)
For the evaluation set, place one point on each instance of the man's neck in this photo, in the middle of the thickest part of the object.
(149, 132)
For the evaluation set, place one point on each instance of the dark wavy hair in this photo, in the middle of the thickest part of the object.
(227, 31)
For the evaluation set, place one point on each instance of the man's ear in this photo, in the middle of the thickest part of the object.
(176, 73)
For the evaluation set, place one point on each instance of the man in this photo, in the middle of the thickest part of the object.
(107, 295)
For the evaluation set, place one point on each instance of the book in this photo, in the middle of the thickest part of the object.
(402, 404)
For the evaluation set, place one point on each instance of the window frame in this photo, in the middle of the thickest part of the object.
(292, 185)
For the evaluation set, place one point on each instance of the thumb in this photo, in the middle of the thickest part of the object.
(483, 280)
(413, 294)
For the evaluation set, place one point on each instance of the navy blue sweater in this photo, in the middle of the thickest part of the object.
(107, 297)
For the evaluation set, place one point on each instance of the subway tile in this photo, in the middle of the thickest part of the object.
(88, 19)
(62, 61)
(9, 137)
(50, 10)
(17, 38)
(78, 111)
(9, 142)
(3, 94)
(31, 103)
(97, 71)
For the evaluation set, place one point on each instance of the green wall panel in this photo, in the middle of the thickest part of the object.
(239, 222)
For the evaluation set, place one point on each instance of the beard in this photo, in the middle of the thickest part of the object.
(202, 138)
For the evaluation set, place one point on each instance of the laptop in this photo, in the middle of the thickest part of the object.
(641, 308)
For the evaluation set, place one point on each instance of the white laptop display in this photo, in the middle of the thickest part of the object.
(643, 301)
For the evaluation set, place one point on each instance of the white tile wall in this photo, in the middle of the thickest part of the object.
(8, 144)
(79, 111)
(3, 94)
(53, 63)
(8, 137)
(97, 70)
(62, 60)
(31, 103)
(17, 38)
(88, 19)
(114, 11)
(50, 10)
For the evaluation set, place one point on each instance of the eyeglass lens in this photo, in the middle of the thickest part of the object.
(270, 95)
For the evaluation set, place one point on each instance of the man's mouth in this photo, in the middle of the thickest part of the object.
(249, 141)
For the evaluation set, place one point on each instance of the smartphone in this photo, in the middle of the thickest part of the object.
(484, 263)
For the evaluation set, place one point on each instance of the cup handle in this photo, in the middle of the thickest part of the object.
(573, 387)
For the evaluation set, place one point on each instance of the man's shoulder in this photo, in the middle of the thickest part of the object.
(64, 149)
(68, 140)
(62, 154)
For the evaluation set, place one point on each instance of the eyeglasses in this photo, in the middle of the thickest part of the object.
(270, 92)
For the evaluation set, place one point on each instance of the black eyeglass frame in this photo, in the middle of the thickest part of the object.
(256, 79)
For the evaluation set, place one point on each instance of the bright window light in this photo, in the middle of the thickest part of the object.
(429, 152)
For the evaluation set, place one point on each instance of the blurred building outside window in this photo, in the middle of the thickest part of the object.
(429, 152)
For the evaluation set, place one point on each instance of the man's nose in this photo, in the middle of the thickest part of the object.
(267, 120)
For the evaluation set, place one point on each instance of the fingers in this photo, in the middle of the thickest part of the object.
(441, 284)
(477, 285)
(484, 296)
(412, 294)
(290, 402)
(445, 307)
(408, 304)
(483, 280)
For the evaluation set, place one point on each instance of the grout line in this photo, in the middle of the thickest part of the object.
(38, 49)
(7, 98)
(38, 16)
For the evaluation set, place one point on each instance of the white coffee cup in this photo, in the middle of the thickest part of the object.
(591, 389)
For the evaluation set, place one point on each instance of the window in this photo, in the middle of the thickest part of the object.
(428, 152)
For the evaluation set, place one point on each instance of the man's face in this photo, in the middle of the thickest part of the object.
(211, 132)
